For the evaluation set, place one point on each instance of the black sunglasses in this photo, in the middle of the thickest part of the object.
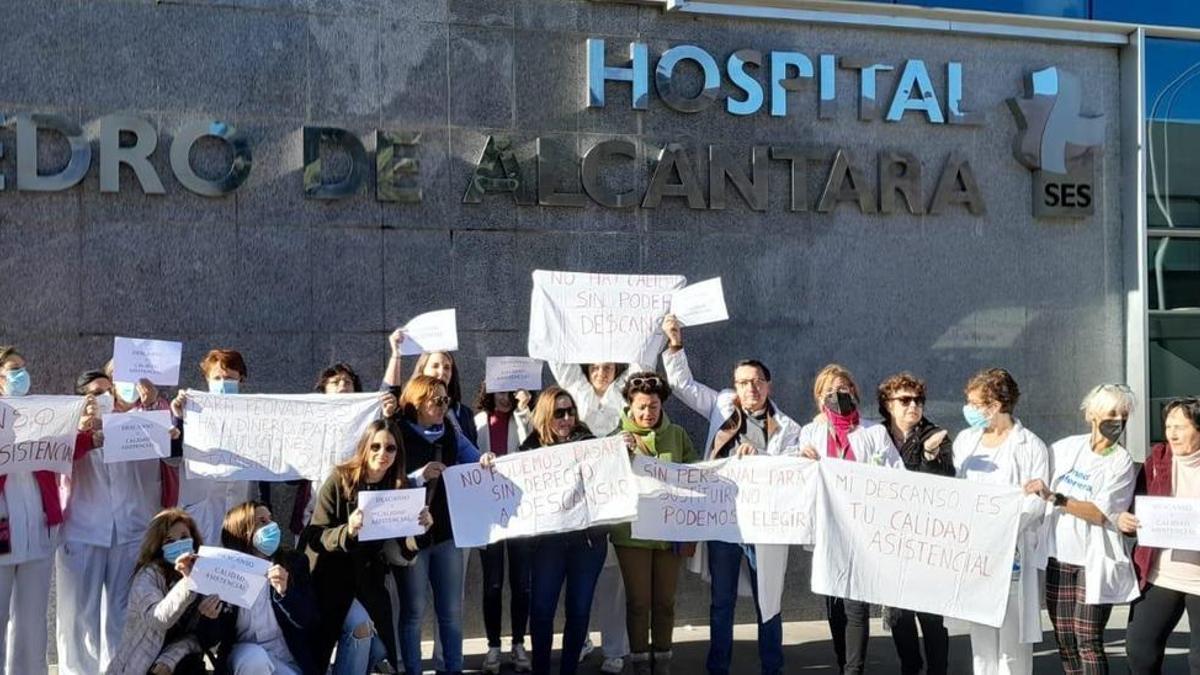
(440, 400)
(909, 400)
(564, 413)
(390, 447)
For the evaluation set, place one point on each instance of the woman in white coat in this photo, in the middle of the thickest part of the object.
(1087, 567)
(596, 388)
(997, 449)
(839, 432)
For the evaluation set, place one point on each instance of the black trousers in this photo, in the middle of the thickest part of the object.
(519, 584)
(851, 632)
(1151, 620)
(908, 645)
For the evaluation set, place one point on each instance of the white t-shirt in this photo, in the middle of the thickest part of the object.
(1084, 475)
(258, 625)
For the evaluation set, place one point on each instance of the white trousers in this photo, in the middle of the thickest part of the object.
(609, 607)
(999, 651)
(24, 605)
(247, 658)
(93, 592)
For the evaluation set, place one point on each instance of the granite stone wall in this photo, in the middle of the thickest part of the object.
(296, 284)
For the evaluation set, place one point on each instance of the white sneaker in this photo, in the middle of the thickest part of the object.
(587, 650)
(613, 666)
(491, 662)
(520, 659)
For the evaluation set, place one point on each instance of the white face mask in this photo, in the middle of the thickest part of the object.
(105, 403)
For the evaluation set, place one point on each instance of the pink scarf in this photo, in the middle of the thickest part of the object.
(840, 440)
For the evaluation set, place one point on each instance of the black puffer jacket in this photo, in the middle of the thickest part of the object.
(912, 451)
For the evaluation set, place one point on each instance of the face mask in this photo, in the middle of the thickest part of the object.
(105, 403)
(222, 386)
(173, 551)
(266, 539)
(975, 417)
(1111, 430)
(841, 403)
(17, 382)
(127, 391)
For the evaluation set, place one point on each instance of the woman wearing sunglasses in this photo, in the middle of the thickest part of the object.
(926, 448)
(348, 575)
(570, 558)
(432, 442)
(650, 568)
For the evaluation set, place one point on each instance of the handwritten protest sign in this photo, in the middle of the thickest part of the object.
(915, 541)
(37, 433)
(137, 435)
(752, 500)
(273, 437)
(1168, 522)
(598, 318)
(556, 489)
(154, 360)
(430, 332)
(235, 577)
(512, 373)
(390, 513)
(700, 303)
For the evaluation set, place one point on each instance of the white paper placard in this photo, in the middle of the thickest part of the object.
(390, 514)
(235, 577)
(700, 303)
(1168, 522)
(154, 360)
(137, 434)
(512, 373)
(430, 332)
(37, 433)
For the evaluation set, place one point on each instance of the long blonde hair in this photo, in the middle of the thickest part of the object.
(543, 414)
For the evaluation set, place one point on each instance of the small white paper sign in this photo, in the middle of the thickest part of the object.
(700, 303)
(389, 514)
(155, 360)
(1168, 522)
(513, 373)
(430, 332)
(236, 578)
(137, 435)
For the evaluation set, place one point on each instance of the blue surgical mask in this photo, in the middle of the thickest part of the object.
(17, 382)
(266, 539)
(174, 550)
(222, 386)
(975, 417)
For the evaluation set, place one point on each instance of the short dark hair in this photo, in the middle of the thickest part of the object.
(895, 383)
(1190, 405)
(335, 370)
(995, 385)
(87, 377)
(755, 363)
(645, 385)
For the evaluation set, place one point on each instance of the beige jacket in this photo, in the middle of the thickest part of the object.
(152, 611)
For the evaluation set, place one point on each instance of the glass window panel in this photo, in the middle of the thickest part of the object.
(1174, 363)
(1064, 8)
(1154, 12)
(1174, 265)
(1173, 133)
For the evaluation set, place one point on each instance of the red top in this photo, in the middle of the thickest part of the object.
(1153, 481)
(498, 431)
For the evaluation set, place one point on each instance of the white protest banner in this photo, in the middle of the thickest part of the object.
(1168, 522)
(512, 373)
(430, 332)
(236, 578)
(137, 434)
(915, 541)
(37, 433)
(751, 500)
(388, 514)
(598, 318)
(700, 303)
(272, 437)
(154, 360)
(560, 488)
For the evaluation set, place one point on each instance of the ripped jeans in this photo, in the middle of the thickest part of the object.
(356, 655)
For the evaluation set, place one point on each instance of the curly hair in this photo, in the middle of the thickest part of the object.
(903, 381)
(995, 385)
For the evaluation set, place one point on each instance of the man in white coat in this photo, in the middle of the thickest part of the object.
(741, 421)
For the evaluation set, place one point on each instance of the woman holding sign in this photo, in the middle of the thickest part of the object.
(1169, 578)
(573, 559)
(997, 449)
(440, 365)
(840, 432)
(650, 568)
(30, 515)
(1087, 567)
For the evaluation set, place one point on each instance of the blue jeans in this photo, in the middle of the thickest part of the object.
(724, 566)
(355, 655)
(573, 558)
(440, 567)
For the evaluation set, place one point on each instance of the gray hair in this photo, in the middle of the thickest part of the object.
(1105, 397)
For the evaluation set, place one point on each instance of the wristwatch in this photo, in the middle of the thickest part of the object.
(1060, 500)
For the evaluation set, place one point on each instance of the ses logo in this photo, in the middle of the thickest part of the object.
(1059, 144)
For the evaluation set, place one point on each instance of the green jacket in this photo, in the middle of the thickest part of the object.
(666, 442)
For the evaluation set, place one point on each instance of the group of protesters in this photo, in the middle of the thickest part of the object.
(123, 537)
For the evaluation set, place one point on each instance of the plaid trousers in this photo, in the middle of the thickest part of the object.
(1078, 627)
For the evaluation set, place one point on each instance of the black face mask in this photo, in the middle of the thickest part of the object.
(1111, 430)
(841, 403)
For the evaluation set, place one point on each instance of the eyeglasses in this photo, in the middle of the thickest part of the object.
(906, 401)
(390, 448)
(651, 382)
(564, 413)
(756, 382)
(441, 401)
